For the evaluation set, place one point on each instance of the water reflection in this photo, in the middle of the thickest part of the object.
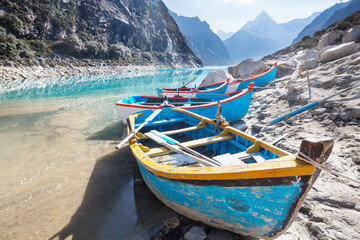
(95, 85)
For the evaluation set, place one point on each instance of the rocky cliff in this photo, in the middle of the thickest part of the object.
(123, 30)
(204, 42)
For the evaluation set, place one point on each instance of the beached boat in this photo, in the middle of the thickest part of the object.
(219, 88)
(233, 181)
(234, 105)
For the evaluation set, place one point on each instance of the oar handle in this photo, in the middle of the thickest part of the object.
(297, 111)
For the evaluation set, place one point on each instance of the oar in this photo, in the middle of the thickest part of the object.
(188, 82)
(169, 142)
(132, 134)
(309, 106)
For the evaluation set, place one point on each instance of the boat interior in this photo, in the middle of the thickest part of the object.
(221, 145)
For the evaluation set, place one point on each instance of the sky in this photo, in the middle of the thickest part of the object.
(231, 15)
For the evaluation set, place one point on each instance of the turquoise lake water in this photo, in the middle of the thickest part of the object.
(119, 84)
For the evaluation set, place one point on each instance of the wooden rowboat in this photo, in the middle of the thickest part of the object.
(234, 105)
(223, 87)
(233, 181)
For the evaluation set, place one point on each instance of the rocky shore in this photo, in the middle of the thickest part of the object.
(48, 68)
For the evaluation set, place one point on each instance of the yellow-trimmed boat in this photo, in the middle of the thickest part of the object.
(221, 176)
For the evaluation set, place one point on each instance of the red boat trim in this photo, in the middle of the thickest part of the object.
(244, 92)
(223, 84)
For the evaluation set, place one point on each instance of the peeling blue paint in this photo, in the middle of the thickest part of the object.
(257, 211)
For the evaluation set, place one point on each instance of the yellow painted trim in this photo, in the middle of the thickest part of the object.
(282, 167)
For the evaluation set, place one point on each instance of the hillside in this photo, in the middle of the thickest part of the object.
(202, 41)
(319, 21)
(310, 42)
(125, 31)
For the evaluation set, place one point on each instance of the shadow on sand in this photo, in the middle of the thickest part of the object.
(113, 206)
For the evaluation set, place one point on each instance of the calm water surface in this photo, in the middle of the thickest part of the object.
(59, 173)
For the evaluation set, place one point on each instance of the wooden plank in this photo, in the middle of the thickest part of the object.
(163, 122)
(191, 144)
(259, 158)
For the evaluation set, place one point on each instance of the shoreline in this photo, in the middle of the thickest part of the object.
(8, 73)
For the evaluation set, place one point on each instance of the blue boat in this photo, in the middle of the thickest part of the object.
(230, 86)
(234, 105)
(221, 176)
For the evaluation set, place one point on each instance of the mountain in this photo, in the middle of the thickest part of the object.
(342, 13)
(263, 36)
(122, 30)
(224, 35)
(318, 23)
(244, 45)
(203, 42)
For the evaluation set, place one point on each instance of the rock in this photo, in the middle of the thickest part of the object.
(355, 158)
(310, 54)
(340, 51)
(309, 64)
(319, 111)
(279, 130)
(326, 122)
(256, 128)
(247, 68)
(216, 76)
(353, 35)
(172, 223)
(330, 38)
(195, 233)
(355, 112)
(333, 116)
(344, 116)
(285, 68)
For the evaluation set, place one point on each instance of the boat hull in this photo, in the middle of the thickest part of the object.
(233, 108)
(259, 81)
(260, 208)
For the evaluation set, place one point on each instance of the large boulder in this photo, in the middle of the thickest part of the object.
(285, 68)
(353, 35)
(330, 38)
(310, 54)
(340, 51)
(216, 76)
(309, 64)
(247, 68)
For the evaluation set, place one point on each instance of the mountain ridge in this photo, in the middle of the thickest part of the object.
(202, 41)
(319, 21)
(267, 36)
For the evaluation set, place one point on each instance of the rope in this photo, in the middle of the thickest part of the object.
(326, 168)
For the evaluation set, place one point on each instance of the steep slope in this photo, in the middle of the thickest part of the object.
(340, 14)
(310, 42)
(224, 35)
(265, 36)
(203, 42)
(319, 21)
(127, 30)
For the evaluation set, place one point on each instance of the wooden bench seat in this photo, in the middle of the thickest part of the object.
(191, 144)
(162, 122)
